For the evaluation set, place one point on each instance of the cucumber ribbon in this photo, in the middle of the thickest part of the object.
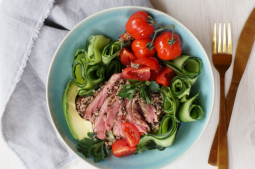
(95, 46)
(111, 51)
(170, 103)
(188, 66)
(164, 138)
(180, 87)
(191, 110)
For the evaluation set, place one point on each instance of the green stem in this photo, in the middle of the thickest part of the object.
(150, 44)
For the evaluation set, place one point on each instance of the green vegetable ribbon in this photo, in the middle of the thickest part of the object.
(191, 110)
(87, 92)
(180, 87)
(164, 138)
(96, 73)
(188, 66)
(112, 67)
(95, 46)
(111, 51)
(170, 103)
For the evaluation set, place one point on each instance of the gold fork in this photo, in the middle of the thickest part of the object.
(222, 61)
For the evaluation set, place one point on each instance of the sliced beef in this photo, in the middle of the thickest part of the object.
(117, 130)
(149, 112)
(134, 116)
(98, 101)
(99, 126)
(112, 113)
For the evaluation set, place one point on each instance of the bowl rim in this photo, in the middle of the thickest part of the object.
(112, 9)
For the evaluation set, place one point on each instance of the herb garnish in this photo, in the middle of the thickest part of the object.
(143, 87)
(96, 148)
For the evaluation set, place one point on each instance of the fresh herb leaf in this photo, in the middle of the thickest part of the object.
(128, 91)
(90, 147)
(144, 93)
(154, 86)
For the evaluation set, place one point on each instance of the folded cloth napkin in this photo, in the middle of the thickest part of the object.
(27, 45)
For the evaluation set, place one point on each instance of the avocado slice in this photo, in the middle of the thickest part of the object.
(78, 126)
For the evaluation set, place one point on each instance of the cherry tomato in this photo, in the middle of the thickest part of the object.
(126, 57)
(152, 62)
(154, 74)
(140, 49)
(165, 76)
(120, 148)
(142, 73)
(163, 48)
(132, 133)
(138, 27)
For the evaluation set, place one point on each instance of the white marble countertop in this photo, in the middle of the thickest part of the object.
(199, 16)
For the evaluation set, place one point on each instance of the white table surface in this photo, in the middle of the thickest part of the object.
(199, 16)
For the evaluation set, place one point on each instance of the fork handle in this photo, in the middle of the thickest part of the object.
(222, 157)
(212, 160)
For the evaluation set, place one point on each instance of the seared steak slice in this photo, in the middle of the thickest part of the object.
(112, 113)
(134, 116)
(98, 101)
(117, 130)
(149, 112)
(99, 126)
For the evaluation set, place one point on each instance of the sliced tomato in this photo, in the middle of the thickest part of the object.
(120, 148)
(154, 74)
(142, 73)
(152, 62)
(139, 47)
(131, 132)
(165, 76)
(125, 36)
(126, 57)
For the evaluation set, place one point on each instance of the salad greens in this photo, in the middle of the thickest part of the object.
(180, 87)
(164, 138)
(90, 68)
(191, 110)
(111, 51)
(184, 65)
(143, 87)
(95, 46)
(170, 103)
(90, 147)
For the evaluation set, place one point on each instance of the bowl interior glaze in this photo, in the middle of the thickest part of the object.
(111, 23)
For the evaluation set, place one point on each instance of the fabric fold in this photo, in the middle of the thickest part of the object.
(27, 48)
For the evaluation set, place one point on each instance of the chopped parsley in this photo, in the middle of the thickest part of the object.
(90, 147)
(143, 87)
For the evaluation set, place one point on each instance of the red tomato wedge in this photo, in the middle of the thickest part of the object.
(131, 132)
(148, 61)
(138, 27)
(126, 57)
(163, 48)
(142, 73)
(165, 76)
(154, 74)
(139, 47)
(120, 148)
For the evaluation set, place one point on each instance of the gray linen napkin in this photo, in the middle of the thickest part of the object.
(27, 45)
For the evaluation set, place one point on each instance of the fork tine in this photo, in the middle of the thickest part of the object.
(229, 40)
(219, 40)
(214, 50)
(224, 39)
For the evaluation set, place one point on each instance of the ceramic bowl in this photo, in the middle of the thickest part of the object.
(111, 23)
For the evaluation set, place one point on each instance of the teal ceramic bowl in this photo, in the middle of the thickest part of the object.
(111, 23)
